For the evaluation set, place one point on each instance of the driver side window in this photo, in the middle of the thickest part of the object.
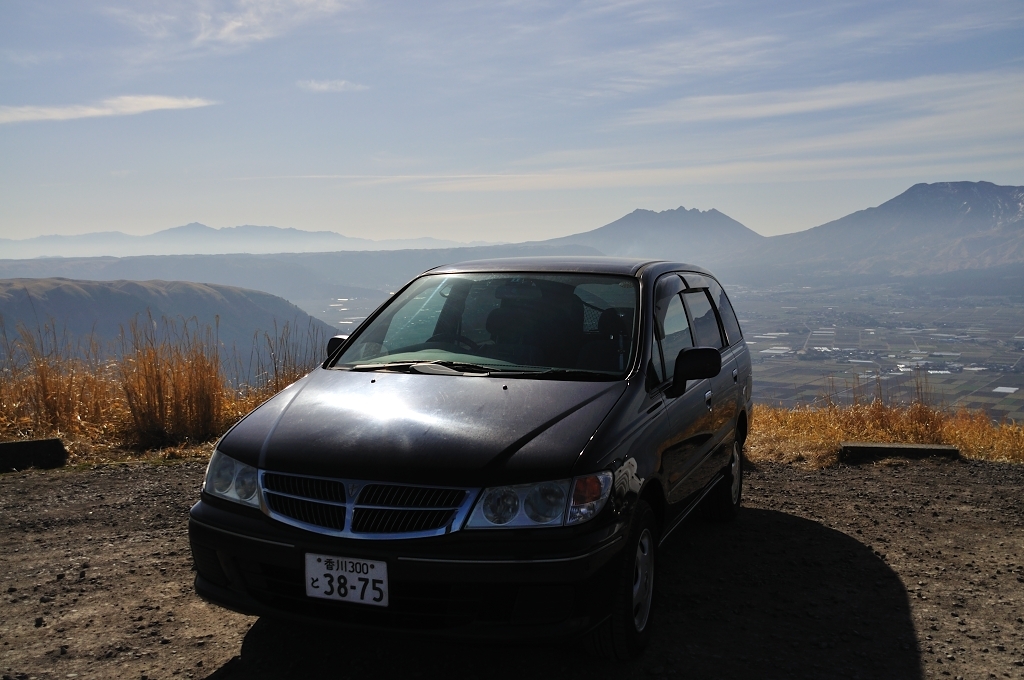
(671, 329)
(676, 334)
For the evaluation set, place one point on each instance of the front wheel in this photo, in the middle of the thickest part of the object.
(628, 630)
(723, 502)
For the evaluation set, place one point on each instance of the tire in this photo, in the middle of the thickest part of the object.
(722, 504)
(626, 632)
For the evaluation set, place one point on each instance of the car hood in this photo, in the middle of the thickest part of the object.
(414, 428)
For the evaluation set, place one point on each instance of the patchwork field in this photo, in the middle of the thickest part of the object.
(860, 342)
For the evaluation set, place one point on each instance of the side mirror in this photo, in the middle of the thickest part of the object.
(694, 363)
(334, 343)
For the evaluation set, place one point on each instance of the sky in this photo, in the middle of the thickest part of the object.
(491, 120)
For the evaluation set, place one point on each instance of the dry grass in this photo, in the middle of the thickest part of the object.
(811, 435)
(162, 390)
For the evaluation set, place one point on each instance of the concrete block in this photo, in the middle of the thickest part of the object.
(859, 452)
(38, 453)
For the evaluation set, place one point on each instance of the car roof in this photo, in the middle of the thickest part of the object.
(628, 266)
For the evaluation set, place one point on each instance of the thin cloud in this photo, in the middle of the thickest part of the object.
(916, 93)
(128, 105)
(330, 86)
(793, 169)
(226, 22)
(968, 129)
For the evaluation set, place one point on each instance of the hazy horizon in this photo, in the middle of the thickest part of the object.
(422, 241)
(469, 122)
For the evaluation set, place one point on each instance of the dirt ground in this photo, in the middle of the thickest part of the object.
(886, 570)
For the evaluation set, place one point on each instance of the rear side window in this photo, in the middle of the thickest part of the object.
(705, 324)
(725, 311)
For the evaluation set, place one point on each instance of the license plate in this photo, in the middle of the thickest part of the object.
(347, 579)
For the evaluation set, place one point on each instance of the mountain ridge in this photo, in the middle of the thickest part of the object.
(688, 235)
(927, 229)
(104, 308)
(196, 238)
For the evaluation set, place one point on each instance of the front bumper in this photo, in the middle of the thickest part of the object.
(507, 584)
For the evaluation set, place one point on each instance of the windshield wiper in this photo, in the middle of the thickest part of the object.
(554, 373)
(456, 367)
(445, 367)
(392, 366)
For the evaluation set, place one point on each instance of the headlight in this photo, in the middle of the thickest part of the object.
(544, 504)
(229, 479)
(501, 505)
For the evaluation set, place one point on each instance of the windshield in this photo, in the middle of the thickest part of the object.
(505, 322)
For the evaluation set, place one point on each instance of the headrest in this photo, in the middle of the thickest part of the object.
(518, 290)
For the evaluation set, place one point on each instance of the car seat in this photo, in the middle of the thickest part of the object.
(608, 351)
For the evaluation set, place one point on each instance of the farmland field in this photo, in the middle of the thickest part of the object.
(806, 343)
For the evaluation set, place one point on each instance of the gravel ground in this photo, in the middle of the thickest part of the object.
(897, 569)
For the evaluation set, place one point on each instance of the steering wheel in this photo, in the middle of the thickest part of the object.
(454, 339)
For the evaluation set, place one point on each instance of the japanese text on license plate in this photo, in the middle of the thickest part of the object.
(347, 579)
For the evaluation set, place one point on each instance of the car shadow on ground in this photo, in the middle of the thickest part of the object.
(769, 596)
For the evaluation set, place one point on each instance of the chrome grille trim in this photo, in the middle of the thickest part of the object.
(312, 488)
(363, 509)
(327, 515)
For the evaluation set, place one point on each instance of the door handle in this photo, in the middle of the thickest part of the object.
(735, 375)
(707, 399)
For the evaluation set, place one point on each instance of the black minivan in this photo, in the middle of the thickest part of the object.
(498, 451)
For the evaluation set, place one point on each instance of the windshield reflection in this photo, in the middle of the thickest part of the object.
(562, 324)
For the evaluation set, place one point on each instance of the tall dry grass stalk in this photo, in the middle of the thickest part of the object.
(172, 381)
(51, 385)
(277, 359)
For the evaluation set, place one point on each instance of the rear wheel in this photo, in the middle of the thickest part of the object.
(628, 630)
(724, 500)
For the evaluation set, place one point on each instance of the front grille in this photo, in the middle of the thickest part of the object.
(308, 512)
(306, 487)
(392, 496)
(392, 521)
(373, 510)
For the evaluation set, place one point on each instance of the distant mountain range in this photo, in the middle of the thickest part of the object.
(199, 239)
(928, 229)
(102, 308)
(949, 235)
